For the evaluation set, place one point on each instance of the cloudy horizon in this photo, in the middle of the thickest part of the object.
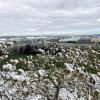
(49, 16)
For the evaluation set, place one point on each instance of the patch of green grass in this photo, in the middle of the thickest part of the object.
(20, 65)
(91, 70)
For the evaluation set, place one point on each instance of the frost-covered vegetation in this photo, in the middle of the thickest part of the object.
(55, 73)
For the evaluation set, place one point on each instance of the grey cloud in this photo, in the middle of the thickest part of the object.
(48, 15)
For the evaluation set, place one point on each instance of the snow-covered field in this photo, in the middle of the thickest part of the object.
(56, 74)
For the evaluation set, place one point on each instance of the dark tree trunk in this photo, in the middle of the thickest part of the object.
(57, 93)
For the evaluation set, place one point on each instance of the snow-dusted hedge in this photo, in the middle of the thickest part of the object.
(60, 74)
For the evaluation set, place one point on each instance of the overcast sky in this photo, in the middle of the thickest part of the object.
(49, 16)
